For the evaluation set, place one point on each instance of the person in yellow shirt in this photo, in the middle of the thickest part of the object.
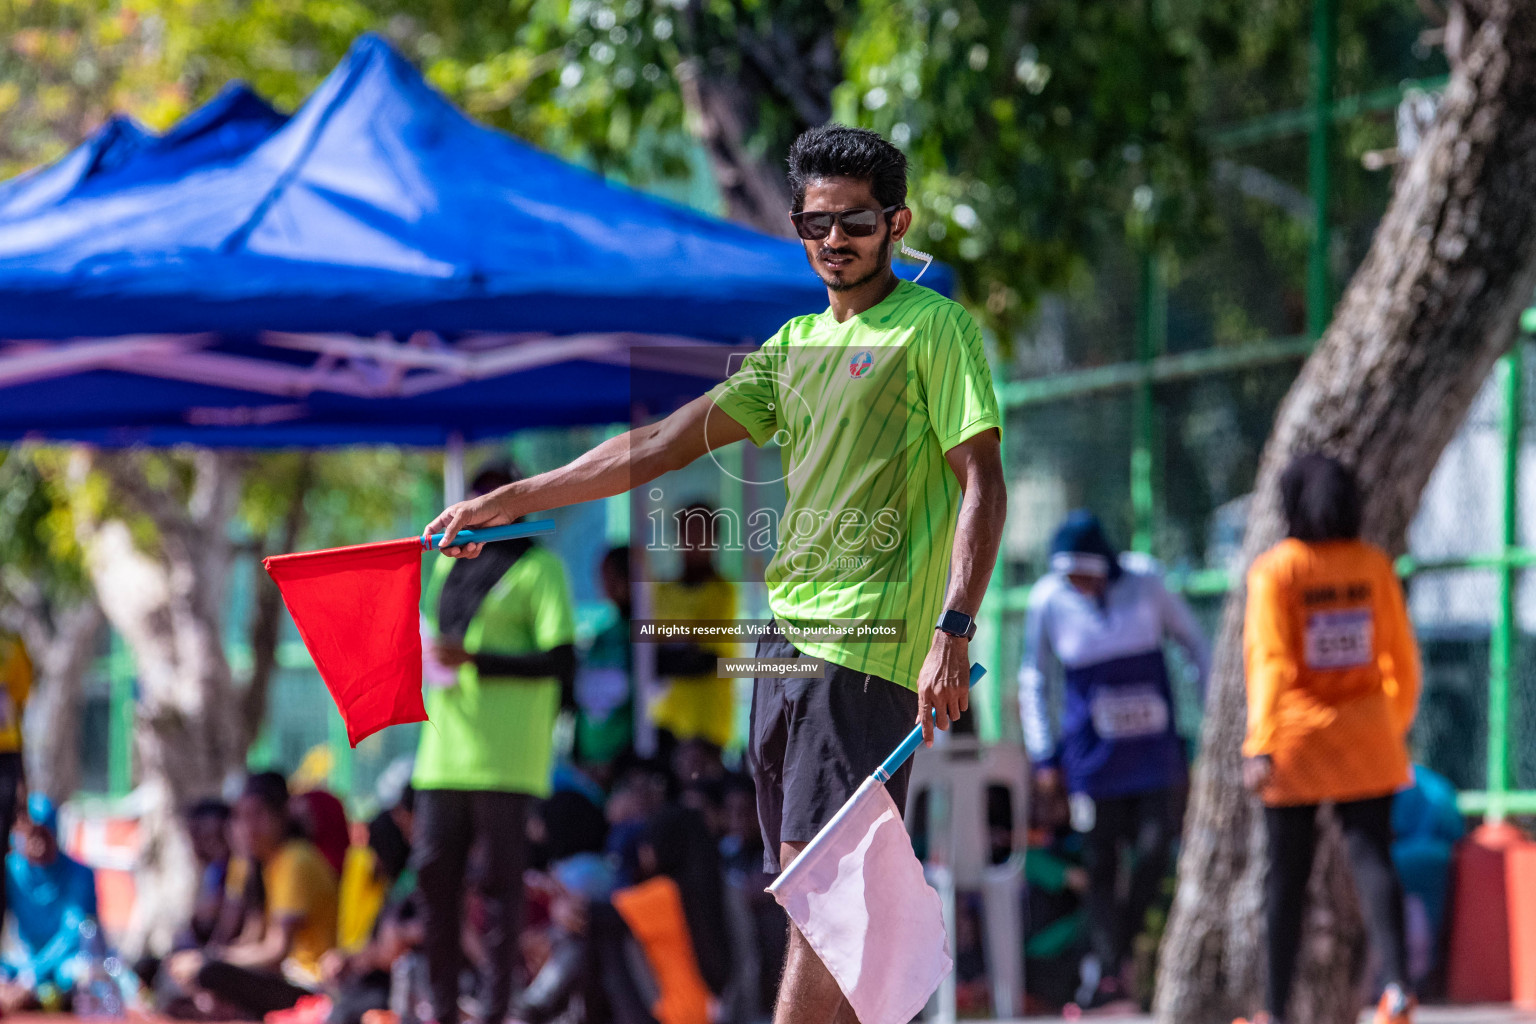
(254, 976)
(696, 704)
(1333, 684)
(15, 688)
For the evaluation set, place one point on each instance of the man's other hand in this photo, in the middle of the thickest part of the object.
(944, 685)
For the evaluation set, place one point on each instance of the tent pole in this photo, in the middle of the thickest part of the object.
(646, 684)
(453, 468)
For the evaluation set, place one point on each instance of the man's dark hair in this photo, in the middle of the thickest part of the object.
(837, 151)
(494, 475)
(1320, 498)
(701, 512)
(617, 560)
(271, 789)
(208, 807)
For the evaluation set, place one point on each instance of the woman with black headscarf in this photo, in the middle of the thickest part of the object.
(1333, 683)
(1096, 627)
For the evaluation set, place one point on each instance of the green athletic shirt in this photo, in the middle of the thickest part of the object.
(863, 412)
(498, 733)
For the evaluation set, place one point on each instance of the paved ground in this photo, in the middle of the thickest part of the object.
(1426, 1015)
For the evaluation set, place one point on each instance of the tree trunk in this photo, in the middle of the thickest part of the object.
(1434, 304)
(168, 606)
(61, 643)
(732, 70)
(268, 616)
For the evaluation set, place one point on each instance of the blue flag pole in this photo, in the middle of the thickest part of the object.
(492, 533)
(914, 740)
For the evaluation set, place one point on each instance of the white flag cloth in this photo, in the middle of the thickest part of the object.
(858, 895)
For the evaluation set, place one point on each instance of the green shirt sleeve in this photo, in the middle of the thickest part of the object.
(750, 396)
(956, 378)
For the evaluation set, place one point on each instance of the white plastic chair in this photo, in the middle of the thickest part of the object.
(956, 775)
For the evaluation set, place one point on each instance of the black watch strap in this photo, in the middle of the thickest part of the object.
(957, 624)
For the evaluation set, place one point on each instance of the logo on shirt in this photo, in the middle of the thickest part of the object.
(859, 365)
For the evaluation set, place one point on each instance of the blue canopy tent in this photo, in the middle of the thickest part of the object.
(374, 268)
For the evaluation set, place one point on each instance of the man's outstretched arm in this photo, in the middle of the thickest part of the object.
(620, 463)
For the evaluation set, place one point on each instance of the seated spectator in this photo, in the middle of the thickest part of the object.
(270, 971)
(1056, 930)
(382, 907)
(696, 761)
(208, 829)
(588, 942)
(373, 871)
(763, 936)
(50, 896)
(1426, 825)
(676, 909)
(641, 790)
(323, 821)
(605, 681)
(707, 797)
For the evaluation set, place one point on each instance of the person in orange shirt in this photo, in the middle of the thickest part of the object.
(1333, 682)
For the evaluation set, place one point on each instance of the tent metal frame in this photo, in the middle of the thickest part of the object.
(377, 367)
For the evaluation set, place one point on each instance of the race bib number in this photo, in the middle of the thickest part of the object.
(1339, 639)
(1129, 712)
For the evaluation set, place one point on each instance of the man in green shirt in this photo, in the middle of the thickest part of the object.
(504, 629)
(889, 431)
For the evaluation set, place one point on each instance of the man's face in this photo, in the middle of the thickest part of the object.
(1088, 584)
(841, 260)
(40, 847)
(696, 535)
(210, 838)
(257, 830)
(615, 584)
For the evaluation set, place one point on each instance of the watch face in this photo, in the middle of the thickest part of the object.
(957, 624)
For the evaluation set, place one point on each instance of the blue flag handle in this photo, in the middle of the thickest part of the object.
(491, 533)
(914, 740)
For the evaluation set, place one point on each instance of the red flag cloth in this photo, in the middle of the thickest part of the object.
(356, 609)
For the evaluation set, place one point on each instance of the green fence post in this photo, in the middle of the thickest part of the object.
(341, 755)
(987, 700)
(121, 677)
(1149, 332)
(1319, 165)
(1501, 654)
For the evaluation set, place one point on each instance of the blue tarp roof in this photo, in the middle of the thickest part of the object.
(376, 267)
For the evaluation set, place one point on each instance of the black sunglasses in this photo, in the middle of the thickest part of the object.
(812, 225)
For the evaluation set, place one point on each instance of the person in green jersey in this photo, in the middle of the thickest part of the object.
(505, 626)
(883, 409)
(605, 682)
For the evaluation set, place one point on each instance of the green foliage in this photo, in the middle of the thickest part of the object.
(1038, 132)
(1032, 129)
(37, 535)
(365, 494)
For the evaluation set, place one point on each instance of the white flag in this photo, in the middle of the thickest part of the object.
(858, 895)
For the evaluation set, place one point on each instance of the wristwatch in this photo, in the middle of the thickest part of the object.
(957, 624)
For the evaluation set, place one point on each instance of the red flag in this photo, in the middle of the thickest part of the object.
(356, 609)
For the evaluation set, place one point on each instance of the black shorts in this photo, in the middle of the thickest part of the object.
(815, 740)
